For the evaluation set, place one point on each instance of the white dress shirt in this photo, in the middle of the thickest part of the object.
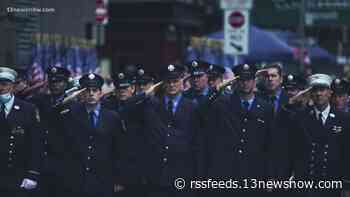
(8, 106)
(324, 113)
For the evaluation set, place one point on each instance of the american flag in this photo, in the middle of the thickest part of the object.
(91, 60)
(36, 72)
(78, 62)
(77, 59)
(58, 58)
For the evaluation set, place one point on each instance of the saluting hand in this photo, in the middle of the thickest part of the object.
(226, 83)
(153, 88)
(261, 72)
(301, 96)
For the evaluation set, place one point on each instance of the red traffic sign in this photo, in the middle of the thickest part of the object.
(101, 13)
(236, 19)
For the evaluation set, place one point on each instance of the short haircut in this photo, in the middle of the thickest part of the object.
(277, 66)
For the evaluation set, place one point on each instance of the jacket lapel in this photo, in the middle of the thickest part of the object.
(236, 106)
(15, 120)
(100, 118)
(255, 108)
(83, 117)
(12, 117)
(101, 121)
(180, 108)
(331, 125)
(14, 110)
(283, 100)
(162, 109)
(314, 130)
(232, 112)
(157, 118)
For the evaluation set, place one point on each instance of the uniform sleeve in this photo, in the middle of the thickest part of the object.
(202, 131)
(294, 135)
(34, 141)
(118, 139)
(196, 127)
(345, 155)
(269, 142)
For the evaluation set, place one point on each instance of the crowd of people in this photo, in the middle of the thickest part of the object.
(192, 123)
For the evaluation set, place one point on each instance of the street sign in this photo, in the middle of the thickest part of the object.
(236, 32)
(236, 4)
(236, 19)
(101, 11)
(286, 13)
(312, 18)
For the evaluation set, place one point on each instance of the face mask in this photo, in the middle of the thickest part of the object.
(4, 98)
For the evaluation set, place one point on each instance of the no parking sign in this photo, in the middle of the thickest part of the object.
(236, 32)
(236, 26)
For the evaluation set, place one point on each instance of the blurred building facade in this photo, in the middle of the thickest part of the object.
(64, 18)
(323, 22)
(156, 32)
(153, 33)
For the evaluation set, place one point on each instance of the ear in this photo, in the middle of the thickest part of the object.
(330, 92)
(133, 88)
(100, 93)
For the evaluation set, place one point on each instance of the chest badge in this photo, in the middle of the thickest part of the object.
(17, 130)
(337, 129)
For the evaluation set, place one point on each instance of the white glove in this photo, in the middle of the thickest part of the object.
(28, 184)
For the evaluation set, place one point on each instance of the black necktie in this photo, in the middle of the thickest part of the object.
(2, 112)
(246, 106)
(198, 96)
(170, 108)
(320, 118)
(272, 101)
(92, 119)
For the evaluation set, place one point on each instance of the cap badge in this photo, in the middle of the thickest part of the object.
(141, 72)
(91, 76)
(53, 70)
(171, 68)
(245, 67)
(121, 76)
(337, 81)
(194, 64)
